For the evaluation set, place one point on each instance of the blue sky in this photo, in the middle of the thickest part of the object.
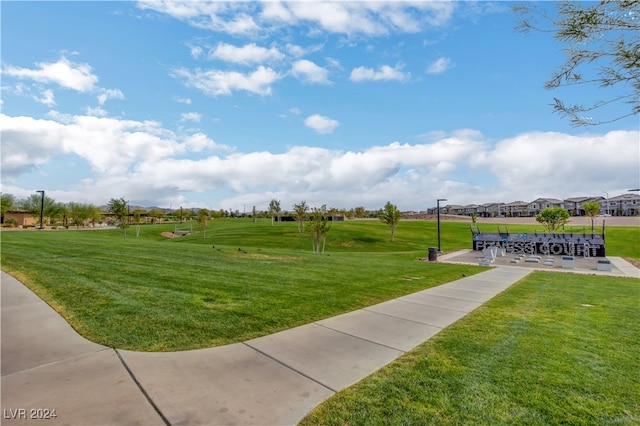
(228, 105)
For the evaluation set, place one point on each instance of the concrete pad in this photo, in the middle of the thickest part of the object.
(472, 296)
(93, 389)
(231, 384)
(386, 330)
(430, 315)
(33, 333)
(485, 281)
(624, 267)
(478, 286)
(441, 301)
(330, 357)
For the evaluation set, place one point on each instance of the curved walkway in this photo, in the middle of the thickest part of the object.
(272, 380)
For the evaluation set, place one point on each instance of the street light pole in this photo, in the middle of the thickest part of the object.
(41, 209)
(438, 207)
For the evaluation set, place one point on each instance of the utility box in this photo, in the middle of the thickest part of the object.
(603, 265)
(568, 262)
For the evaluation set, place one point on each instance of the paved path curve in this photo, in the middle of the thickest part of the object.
(271, 380)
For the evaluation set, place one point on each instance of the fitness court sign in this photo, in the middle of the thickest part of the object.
(586, 245)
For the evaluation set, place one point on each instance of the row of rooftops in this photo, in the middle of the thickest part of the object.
(621, 205)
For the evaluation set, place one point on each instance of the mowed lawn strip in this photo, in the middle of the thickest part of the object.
(156, 294)
(552, 349)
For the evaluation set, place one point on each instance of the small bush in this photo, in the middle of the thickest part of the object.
(10, 222)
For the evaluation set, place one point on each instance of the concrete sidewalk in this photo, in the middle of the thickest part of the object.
(272, 380)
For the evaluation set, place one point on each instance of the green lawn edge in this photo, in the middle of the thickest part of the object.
(552, 349)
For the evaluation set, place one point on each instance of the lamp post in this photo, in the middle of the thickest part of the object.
(607, 194)
(438, 207)
(41, 209)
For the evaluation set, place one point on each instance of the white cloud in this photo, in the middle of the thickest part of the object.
(439, 66)
(370, 18)
(109, 145)
(299, 51)
(309, 72)
(350, 18)
(191, 116)
(183, 100)
(96, 112)
(145, 161)
(65, 73)
(384, 73)
(333, 63)
(321, 124)
(47, 98)
(200, 142)
(551, 164)
(106, 94)
(226, 17)
(247, 54)
(216, 82)
(196, 52)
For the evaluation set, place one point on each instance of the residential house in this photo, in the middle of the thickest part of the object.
(454, 209)
(515, 209)
(539, 204)
(622, 205)
(471, 209)
(491, 210)
(574, 205)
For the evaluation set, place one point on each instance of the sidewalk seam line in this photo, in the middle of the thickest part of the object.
(427, 305)
(290, 367)
(367, 340)
(401, 318)
(48, 364)
(139, 385)
(445, 297)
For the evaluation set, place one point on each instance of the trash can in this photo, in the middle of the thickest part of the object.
(433, 254)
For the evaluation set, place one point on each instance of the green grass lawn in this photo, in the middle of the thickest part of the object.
(242, 281)
(553, 349)
(237, 281)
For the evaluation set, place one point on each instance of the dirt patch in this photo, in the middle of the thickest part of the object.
(170, 235)
(633, 262)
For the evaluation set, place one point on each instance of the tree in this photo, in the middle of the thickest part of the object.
(318, 227)
(301, 209)
(553, 218)
(391, 216)
(155, 214)
(274, 209)
(592, 209)
(7, 202)
(203, 220)
(138, 219)
(120, 209)
(360, 211)
(602, 46)
(33, 205)
(79, 213)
